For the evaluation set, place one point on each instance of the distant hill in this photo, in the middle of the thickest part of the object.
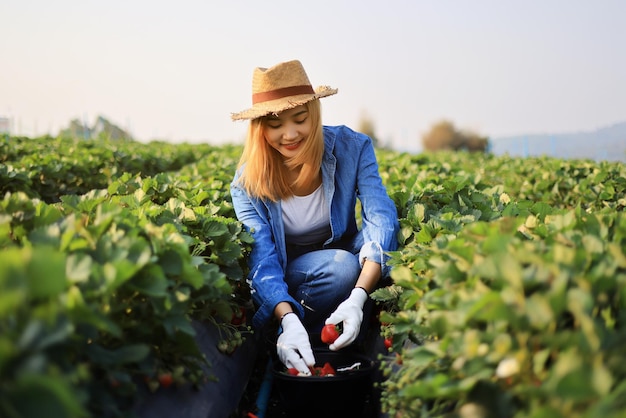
(608, 144)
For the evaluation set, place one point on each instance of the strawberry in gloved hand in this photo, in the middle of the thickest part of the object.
(350, 312)
(330, 333)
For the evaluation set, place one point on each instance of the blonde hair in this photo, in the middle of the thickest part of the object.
(265, 172)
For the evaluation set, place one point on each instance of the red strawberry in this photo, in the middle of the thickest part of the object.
(327, 369)
(239, 316)
(330, 333)
(165, 379)
(388, 343)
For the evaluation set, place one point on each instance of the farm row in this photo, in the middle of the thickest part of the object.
(512, 281)
(509, 291)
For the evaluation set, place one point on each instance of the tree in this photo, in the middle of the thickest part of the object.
(444, 136)
(474, 142)
(366, 126)
(103, 129)
(76, 129)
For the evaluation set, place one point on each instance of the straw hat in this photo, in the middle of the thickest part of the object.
(281, 87)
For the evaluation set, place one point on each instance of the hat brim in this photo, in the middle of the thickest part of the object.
(279, 105)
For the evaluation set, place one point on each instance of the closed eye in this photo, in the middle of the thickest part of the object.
(298, 118)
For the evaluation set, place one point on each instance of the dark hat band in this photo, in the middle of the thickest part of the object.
(266, 96)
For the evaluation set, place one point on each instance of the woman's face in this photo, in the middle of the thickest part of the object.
(287, 131)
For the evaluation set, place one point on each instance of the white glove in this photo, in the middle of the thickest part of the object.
(293, 346)
(350, 311)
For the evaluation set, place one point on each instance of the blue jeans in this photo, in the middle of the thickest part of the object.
(320, 280)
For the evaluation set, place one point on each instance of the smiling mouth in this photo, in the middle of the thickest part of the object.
(292, 145)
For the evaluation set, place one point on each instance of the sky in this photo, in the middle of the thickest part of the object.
(175, 71)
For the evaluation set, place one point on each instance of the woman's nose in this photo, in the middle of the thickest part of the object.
(290, 132)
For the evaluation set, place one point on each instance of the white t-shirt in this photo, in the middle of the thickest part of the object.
(306, 218)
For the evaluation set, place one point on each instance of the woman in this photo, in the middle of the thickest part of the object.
(295, 191)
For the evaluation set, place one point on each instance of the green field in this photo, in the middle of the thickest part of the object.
(509, 293)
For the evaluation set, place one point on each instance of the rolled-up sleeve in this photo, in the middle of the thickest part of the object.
(380, 223)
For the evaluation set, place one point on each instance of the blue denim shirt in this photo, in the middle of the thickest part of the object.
(349, 171)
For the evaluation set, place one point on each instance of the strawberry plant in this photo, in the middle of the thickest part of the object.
(508, 295)
(508, 307)
(104, 288)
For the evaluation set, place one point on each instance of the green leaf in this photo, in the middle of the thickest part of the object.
(423, 236)
(541, 209)
(489, 307)
(45, 272)
(123, 270)
(11, 300)
(171, 262)
(539, 312)
(540, 359)
(36, 395)
(593, 244)
(192, 275)
(601, 378)
(46, 215)
(82, 314)
(420, 357)
(406, 232)
(417, 214)
(402, 274)
(31, 333)
(175, 323)
(433, 386)
(151, 281)
(186, 345)
(78, 267)
(576, 386)
(213, 229)
(62, 331)
(132, 353)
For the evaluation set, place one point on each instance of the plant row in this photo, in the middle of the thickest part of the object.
(509, 294)
(101, 292)
(47, 168)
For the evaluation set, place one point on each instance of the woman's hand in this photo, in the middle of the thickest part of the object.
(293, 346)
(350, 312)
